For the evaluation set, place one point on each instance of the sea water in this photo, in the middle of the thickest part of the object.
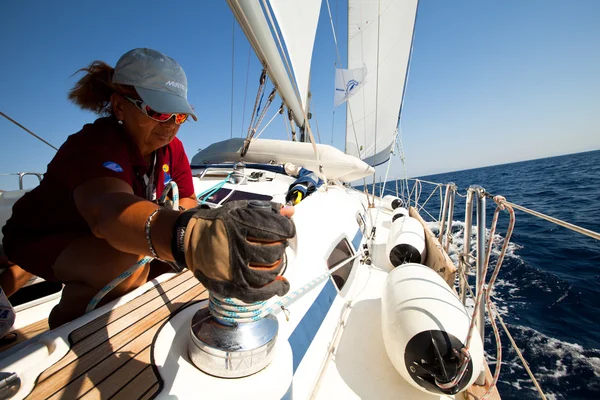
(548, 289)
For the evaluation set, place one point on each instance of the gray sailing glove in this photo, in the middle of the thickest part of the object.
(235, 250)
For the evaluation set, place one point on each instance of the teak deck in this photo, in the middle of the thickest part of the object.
(110, 356)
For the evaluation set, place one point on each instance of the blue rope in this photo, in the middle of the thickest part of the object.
(209, 192)
(174, 203)
(233, 311)
(94, 302)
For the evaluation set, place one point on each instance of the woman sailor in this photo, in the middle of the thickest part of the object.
(95, 212)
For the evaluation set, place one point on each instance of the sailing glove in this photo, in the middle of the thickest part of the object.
(236, 250)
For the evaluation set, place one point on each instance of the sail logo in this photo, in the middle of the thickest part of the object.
(113, 166)
(348, 82)
(175, 85)
(351, 85)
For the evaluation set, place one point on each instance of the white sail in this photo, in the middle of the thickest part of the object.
(251, 18)
(298, 21)
(380, 37)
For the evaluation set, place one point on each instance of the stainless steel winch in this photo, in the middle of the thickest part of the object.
(232, 349)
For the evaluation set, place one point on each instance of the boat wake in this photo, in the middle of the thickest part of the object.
(556, 364)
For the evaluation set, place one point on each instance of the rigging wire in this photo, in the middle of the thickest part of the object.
(26, 130)
(318, 132)
(232, 71)
(245, 93)
(334, 67)
(279, 111)
(382, 188)
(348, 108)
(400, 148)
(376, 79)
(287, 128)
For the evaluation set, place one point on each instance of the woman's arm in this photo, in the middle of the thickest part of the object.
(115, 214)
(188, 202)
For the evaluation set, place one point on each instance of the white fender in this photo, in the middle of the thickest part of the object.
(399, 213)
(406, 241)
(418, 307)
(391, 202)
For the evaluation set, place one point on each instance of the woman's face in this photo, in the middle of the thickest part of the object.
(148, 134)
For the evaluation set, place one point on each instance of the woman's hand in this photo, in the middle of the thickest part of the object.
(235, 250)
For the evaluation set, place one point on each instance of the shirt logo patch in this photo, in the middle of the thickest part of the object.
(167, 175)
(113, 166)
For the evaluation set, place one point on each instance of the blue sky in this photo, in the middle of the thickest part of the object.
(490, 82)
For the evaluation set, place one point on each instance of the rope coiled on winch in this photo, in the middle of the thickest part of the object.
(234, 311)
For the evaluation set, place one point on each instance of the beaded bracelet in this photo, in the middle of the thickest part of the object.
(148, 239)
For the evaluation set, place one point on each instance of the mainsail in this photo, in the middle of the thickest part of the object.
(380, 38)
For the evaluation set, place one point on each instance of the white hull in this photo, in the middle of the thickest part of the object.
(332, 345)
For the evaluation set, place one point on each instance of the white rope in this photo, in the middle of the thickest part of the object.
(525, 363)
(481, 289)
(556, 221)
(234, 189)
(498, 344)
(268, 123)
(492, 311)
(234, 311)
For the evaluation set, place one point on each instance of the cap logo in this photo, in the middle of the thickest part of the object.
(175, 84)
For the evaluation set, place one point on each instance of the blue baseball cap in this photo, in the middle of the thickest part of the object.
(158, 79)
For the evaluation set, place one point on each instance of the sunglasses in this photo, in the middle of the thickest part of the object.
(155, 115)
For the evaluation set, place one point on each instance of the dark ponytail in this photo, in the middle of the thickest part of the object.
(93, 91)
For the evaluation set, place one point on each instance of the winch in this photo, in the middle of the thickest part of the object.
(223, 347)
(231, 350)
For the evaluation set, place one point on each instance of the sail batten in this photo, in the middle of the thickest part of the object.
(380, 36)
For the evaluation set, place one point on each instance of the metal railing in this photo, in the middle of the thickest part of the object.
(21, 175)
(475, 195)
